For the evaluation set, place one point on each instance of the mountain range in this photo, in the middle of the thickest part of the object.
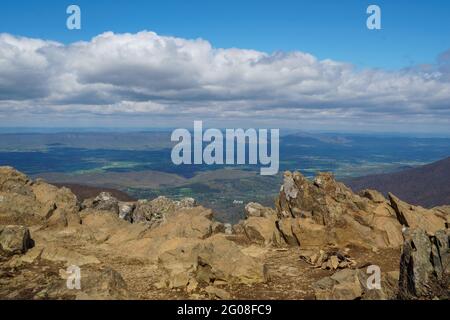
(427, 185)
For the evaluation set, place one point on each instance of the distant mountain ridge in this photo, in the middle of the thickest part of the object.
(427, 185)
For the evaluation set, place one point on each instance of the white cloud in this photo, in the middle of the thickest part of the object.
(169, 78)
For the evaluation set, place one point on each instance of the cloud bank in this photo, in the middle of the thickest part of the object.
(163, 80)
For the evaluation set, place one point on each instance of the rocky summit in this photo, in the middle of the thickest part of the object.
(320, 241)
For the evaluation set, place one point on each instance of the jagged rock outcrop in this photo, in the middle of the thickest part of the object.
(105, 201)
(262, 231)
(425, 265)
(186, 223)
(343, 217)
(13, 181)
(18, 204)
(324, 200)
(151, 212)
(185, 245)
(322, 213)
(417, 217)
(155, 212)
(159, 245)
(61, 205)
(24, 202)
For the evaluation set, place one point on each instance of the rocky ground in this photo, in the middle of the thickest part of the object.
(320, 242)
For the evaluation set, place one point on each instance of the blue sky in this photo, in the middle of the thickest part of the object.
(310, 65)
(414, 32)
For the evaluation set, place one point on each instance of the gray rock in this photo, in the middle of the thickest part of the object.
(424, 270)
(441, 254)
(126, 211)
(349, 284)
(156, 211)
(105, 201)
(228, 228)
(15, 239)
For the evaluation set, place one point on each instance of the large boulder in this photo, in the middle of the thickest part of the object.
(18, 204)
(417, 217)
(220, 259)
(385, 221)
(424, 265)
(15, 239)
(156, 211)
(208, 261)
(31, 203)
(96, 283)
(18, 209)
(104, 226)
(144, 241)
(60, 206)
(262, 230)
(352, 284)
(103, 284)
(186, 223)
(13, 181)
(343, 285)
(304, 232)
